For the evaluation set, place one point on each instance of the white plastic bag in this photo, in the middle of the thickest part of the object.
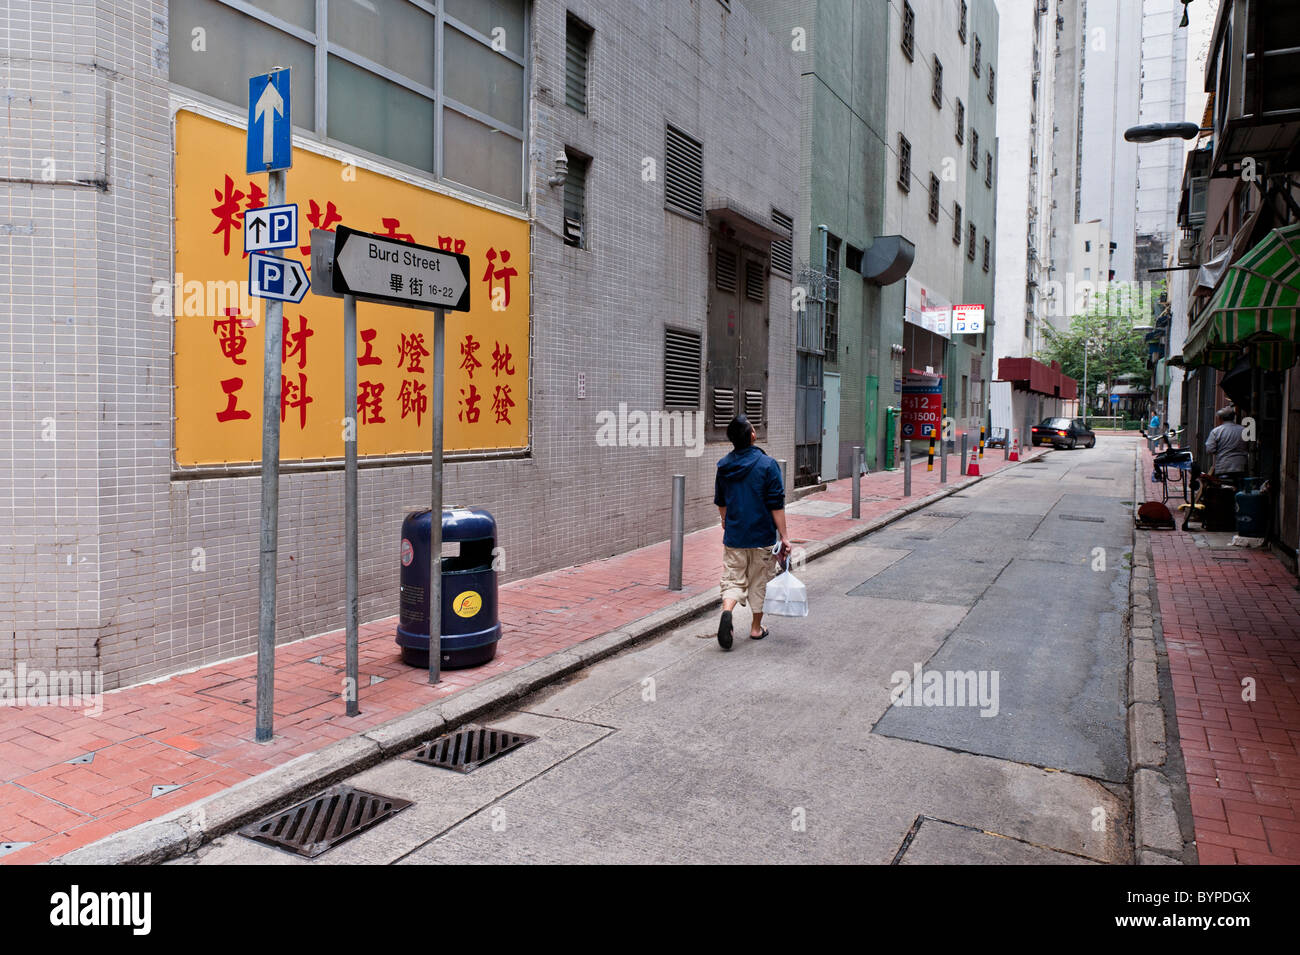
(786, 596)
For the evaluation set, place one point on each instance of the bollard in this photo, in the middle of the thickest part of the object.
(981, 440)
(679, 527)
(961, 465)
(906, 469)
(1006, 445)
(857, 481)
(785, 475)
(943, 460)
(929, 461)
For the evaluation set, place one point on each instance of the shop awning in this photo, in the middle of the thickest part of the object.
(1255, 310)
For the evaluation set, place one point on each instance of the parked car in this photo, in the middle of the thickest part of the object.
(1063, 433)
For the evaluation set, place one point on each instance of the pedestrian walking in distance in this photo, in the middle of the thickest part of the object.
(751, 500)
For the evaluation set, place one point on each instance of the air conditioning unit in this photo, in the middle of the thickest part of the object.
(1218, 244)
(1188, 250)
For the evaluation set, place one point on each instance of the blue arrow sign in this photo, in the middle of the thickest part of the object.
(270, 130)
(270, 276)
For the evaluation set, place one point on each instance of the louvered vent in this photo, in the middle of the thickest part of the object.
(754, 406)
(724, 407)
(783, 249)
(683, 172)
(724, 270)
(577, 47)
(754, 284)
(681, 369)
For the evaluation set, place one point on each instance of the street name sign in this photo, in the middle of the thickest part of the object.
(271, 227)
(270, 129)
(375, 268)
(270, 276)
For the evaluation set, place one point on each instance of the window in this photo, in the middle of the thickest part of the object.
(961, 121)
(1087, 275)
(987, 251)
(853, 259)
(577, 49)
(974, 149)
(975, 56)
(783, 249)
(909, 30)
(904, 163)
(970, 241)
(961, 22)
(683, 173)
(1087, 245)
(832, 342)
(988, 169)
(956, 223)
(992, 83)
(384, 89)
(575, 200)
(936, 83)
(682, 369)
(934, 198)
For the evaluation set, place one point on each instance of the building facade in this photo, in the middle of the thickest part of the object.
(624, 299)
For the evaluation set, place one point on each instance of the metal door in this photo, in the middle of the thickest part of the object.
(830, 426)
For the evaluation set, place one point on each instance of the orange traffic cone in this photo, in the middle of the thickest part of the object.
(974, 469)
(1015, 447)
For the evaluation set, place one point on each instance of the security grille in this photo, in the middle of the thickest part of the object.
(936, 83)
(575, 201)
(681, 369)
(322, 822)
(956, 223)
(783, 249)
(987, 249)
(683, 172)
(754, 406)
(974, 149)
(909, 30)
(934, 198)
(724, 270)
(724, 407)
(988, 169)
(904, 163)
(577, 49)
(970, 241)
(468, 748)
(961, 24)
(754, 282)
(961, 121)
(975, 57)
(992, 83)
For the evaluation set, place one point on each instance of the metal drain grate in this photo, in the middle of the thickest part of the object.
(469, 748)
(1080, 517)
(322, 822)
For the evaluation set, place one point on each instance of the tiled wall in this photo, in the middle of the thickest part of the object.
(98, 560)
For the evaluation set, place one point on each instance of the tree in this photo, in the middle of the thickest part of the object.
(1106, 328)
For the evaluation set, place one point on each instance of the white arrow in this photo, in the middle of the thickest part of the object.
(268, 105)
(367, 263)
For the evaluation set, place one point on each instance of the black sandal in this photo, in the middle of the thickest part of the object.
(760, 636)
(725, 630)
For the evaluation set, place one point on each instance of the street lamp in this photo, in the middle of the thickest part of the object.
(1154, 132)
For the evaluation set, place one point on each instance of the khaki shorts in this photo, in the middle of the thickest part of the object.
(745, 573)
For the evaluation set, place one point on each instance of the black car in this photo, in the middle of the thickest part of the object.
(1063, 433)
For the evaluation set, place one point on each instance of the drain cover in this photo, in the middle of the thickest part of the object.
(1080, 517)
(469, 748)
(323, 821)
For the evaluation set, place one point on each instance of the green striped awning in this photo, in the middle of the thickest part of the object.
(1256, 309)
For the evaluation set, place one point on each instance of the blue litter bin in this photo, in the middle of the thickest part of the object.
(470, 628)
(1252, 510)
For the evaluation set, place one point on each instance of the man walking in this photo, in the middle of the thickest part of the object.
(751, 500)
(1227, 446)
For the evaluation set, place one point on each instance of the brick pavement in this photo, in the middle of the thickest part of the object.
(1227, 616)
(194, 730)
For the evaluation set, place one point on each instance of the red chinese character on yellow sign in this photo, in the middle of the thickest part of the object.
(470, 411)
(368, 339)
(370, 397)
(411, 351)
(467, 349)
(231, 336)
(414, 399)
(231, 387)
(503, 274)
(502, 403)
(295, 343)
(501, 360)
(294, 395)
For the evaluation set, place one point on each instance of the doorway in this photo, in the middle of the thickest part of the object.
(831, 427)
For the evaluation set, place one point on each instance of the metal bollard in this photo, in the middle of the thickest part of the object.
(857, 481)
(943, 460)
(1006, 445)
(907, 469)
(961, 468)
(785, 476)
(679, 528)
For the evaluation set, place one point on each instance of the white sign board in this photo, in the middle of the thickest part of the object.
(401, 273)
(271, 227)
(967, 319)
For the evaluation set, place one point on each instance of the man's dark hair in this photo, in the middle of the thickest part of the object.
(738, 432)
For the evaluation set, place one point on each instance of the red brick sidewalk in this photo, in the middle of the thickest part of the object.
(1229, 615)
(194, 731)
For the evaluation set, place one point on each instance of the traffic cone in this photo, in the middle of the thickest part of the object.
(1015, 447)
(974, 469)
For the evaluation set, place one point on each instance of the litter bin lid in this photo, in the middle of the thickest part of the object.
(467, 524)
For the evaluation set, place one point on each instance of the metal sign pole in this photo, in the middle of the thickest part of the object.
(350, 428)
(266, 567)
(435, 513)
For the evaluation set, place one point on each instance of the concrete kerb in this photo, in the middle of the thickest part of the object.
(1163, 831)
(189, 827)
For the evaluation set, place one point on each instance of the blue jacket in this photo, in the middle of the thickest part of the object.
(749, 486)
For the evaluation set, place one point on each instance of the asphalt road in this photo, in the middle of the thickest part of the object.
(1010, 595)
